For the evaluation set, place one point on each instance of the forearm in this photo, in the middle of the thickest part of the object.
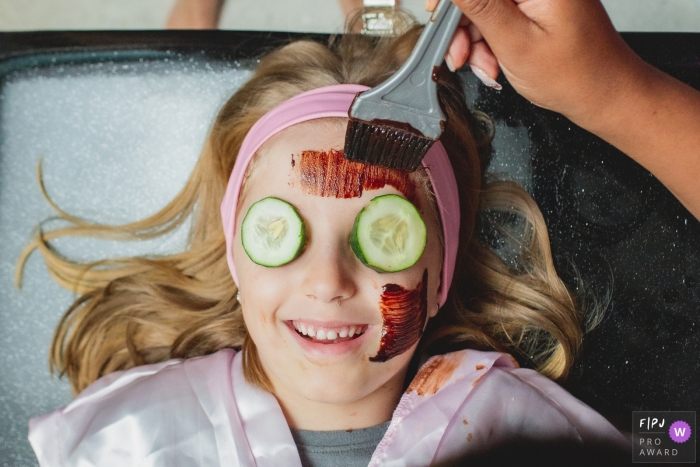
(565, 55)
(654, 119)
(195, 14)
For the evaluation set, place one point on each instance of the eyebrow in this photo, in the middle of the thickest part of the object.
(330, 174)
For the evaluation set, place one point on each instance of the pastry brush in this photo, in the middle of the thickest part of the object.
(395, 123)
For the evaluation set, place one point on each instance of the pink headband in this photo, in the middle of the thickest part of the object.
(328, 102)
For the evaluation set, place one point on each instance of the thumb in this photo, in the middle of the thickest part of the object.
(498, 20)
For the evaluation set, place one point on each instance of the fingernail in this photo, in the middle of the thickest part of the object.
(450, 63)
(484, 78)
(427, 5)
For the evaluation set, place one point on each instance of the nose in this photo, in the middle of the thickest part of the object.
(328, 275)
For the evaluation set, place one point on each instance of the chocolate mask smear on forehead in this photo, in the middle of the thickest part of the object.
(330, 174)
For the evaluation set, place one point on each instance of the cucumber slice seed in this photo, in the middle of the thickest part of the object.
(389, 234)
(272, 232)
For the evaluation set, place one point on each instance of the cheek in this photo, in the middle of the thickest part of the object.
(404, 313)
(261, 293)
(259, 307)
(254, 280)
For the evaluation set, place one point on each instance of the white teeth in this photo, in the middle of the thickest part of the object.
(328, 334)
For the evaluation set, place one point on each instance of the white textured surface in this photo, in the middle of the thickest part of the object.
(654, 15)
(17, 15)
(290, 15)
(287, 15)
(118, 141)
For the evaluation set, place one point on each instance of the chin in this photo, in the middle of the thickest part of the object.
(336, 390)
(345, 386)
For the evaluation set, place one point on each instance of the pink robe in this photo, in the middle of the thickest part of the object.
(201, 412)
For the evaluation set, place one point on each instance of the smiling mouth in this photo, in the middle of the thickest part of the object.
(328, 335)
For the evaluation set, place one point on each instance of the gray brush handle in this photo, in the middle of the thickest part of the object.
(410, 94)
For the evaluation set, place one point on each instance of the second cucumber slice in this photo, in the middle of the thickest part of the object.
(389, 234)
(272, 232)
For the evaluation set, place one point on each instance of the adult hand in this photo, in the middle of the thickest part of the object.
(566, 56)
(553, 52)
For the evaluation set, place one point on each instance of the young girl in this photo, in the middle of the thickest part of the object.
(331, 346)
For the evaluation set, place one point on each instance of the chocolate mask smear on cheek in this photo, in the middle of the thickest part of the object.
(404, 312)
(329, 174)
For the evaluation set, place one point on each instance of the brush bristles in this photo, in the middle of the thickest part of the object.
(384, 146)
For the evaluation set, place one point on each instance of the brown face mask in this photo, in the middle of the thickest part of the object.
(329, 174)
(404, 313)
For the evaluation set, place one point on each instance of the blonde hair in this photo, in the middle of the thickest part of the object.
(140, 310)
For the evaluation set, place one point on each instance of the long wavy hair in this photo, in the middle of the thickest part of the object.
(139, 310)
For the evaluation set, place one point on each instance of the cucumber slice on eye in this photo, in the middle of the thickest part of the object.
(389, 234)
(272, 232)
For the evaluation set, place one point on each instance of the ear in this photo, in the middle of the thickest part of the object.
(433, 310)
(434, 302)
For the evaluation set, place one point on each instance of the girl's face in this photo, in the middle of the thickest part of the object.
(327, 287)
